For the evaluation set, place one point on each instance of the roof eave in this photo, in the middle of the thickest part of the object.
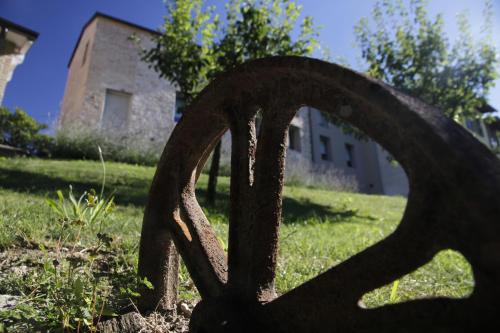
(99, 14)
(30, 34)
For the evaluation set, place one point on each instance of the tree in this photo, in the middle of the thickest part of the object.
(195, 45)
(19, 130)
(410, 51)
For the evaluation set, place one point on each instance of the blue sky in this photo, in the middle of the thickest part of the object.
(38, 84)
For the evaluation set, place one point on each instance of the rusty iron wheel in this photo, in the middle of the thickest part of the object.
(453, 204)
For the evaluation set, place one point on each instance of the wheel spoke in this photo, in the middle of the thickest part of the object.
(173, 205)
(267, 200)
(243, 149)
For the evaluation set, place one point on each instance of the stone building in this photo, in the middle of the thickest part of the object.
(15, 41)
(109, 89)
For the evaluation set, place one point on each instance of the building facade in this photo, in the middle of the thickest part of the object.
(15, 41)
(109, 89)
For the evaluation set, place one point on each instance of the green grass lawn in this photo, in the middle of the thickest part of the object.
(320, 228)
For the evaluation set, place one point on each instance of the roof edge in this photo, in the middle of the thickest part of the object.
(100, 14)
(31, 34)
(487, 108)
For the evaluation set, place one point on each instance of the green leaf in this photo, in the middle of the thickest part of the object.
(416, 56)
(78, 288)
(52, 204)
(147, 283)
(108, 312)
(394, 292)
(60, 196)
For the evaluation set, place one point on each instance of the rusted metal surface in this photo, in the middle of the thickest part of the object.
(453, 204)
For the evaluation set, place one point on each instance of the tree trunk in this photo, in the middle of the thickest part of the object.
(212, 176)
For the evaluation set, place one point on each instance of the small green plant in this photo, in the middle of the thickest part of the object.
(394, 292)
(73, 287)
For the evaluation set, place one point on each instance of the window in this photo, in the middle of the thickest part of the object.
(493, 138)
(179, 106)
(474, 125)
(85, 53)
(323, 121)
(350, 155)
(324, 148)
(116, 110)
(258, 123)
(294, 138)
(493, 142)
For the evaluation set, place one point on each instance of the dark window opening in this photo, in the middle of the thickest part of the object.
(475, 126)
(492, 134)
(180, 105)
(324, 148)
(258, 123)
(85, 53)
(294, 138)
(350, 155)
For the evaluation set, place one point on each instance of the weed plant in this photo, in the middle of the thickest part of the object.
(76, 284)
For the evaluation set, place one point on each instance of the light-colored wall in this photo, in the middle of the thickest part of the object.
(77, 109)
(368, 169)
(9, 62)
(113, 62)
(6, 69)
(365, 166)
(304, 156)
(293, 158)
(393, 178)
(371, 172)
(484, 136)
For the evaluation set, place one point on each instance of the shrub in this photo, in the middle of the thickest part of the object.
(18, 129)
(300, 173)
(73, 143)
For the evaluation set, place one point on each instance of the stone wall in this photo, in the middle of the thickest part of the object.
(7, 65)
(16, 46)
(75, 110)
(113, 63)
(5, 72)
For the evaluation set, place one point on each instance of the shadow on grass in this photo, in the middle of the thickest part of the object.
(294, 210)
(135, 191)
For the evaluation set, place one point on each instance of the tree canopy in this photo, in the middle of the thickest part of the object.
(411, 51)
(19, 130)
(195, 44)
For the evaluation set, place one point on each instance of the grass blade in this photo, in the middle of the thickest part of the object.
(394, 292)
